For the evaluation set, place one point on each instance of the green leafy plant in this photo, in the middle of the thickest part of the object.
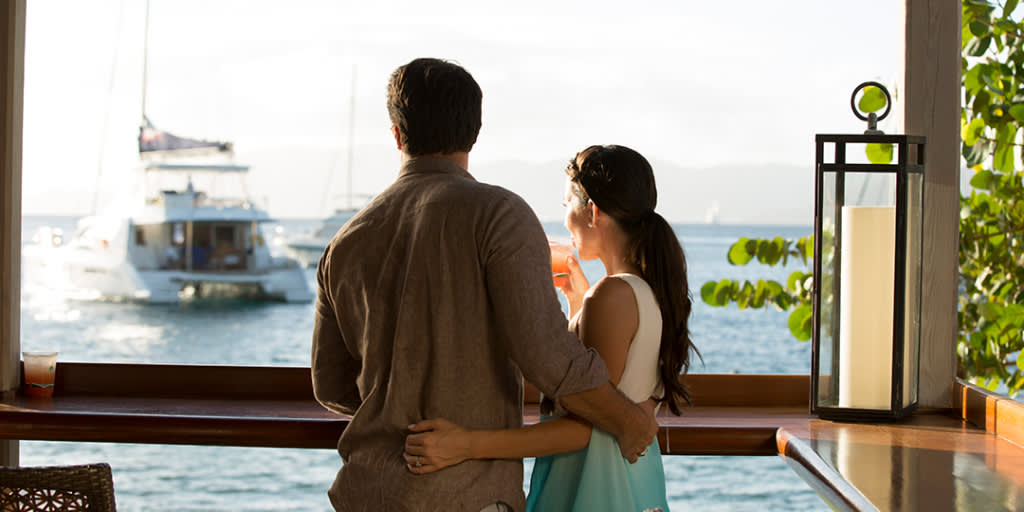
(991, 250)
(795, 293)
(991, 314)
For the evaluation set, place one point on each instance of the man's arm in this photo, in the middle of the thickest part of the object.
(608, 320)
(607, 408)
(537, 334)
(333, 368)
(529, 323)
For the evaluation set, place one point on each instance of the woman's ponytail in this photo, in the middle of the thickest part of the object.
(663, 265)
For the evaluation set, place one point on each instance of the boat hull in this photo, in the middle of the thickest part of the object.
(92, 276)
(306, 251)
(285, 284)
(308, 248)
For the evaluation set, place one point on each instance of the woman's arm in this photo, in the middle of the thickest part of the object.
(438, 443)
(608, 321)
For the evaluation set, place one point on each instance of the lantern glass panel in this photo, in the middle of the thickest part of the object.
(912, 308)
(827, 385)
(857, 273)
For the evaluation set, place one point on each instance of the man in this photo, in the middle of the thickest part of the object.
(435, 301)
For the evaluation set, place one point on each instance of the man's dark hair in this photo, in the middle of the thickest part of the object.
(435, 105)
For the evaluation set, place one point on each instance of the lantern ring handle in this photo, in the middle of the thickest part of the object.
(853, 98)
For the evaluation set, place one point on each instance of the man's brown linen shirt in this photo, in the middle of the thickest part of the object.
(435, 301)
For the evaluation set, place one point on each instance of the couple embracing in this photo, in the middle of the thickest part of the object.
(436, 300)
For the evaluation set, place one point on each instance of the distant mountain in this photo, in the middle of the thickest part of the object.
(293, 179)
(762, 194)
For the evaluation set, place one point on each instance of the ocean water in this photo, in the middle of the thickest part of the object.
(203, 478)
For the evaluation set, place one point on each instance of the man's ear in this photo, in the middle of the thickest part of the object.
(398, 137)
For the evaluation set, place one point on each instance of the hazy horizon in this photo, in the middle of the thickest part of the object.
(724, 102)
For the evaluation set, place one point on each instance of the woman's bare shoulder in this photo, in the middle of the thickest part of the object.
(611, 305)
(611, 291)
(608, 322)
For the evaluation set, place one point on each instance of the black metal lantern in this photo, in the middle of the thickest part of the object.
(868, 221)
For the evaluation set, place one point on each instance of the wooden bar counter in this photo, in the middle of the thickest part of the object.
(970, 458)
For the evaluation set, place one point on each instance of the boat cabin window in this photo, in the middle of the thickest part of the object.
(224, 234)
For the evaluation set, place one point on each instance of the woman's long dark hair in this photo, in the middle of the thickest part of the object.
(620, 182)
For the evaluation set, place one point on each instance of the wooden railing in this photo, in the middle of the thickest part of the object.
(926, 462)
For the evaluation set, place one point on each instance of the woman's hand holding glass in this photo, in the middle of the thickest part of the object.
(436, 444)
(575, 285)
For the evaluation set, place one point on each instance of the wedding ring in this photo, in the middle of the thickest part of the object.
(643, 452)
(418, 461)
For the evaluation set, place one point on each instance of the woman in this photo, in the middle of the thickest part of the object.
(636, 318)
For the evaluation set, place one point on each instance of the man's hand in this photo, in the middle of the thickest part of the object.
(640, 431)
(650, 406)
(633, 425)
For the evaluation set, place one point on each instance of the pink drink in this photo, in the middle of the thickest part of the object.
(560, 250)
(40, 368)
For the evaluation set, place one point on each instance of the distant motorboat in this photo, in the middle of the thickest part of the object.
(307, 249)
(174, 243)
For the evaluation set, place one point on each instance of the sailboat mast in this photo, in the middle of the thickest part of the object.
(145, 60)
(101, 154)
(351, 136)
(351, 149)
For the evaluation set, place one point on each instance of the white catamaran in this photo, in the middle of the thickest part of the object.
(187, 228)
(192, 232)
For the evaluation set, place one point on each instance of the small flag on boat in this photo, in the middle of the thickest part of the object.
(153, 140)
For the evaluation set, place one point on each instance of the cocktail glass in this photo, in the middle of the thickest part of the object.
(40, 368)
(561, 248)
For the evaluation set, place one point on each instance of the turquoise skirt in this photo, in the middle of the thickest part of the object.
(598, 478)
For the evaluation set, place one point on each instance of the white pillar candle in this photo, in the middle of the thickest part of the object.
(866, 306)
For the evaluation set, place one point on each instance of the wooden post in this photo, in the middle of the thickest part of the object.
(931, 100)
(12, 85)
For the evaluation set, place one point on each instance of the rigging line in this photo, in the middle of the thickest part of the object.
(106, 111)
(334, 164)
(145, 60)
(351, 134)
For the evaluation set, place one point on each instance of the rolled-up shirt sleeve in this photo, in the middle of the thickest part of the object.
(529, 318)
(334, 368)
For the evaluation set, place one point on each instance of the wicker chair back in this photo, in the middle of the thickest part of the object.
(82, 488)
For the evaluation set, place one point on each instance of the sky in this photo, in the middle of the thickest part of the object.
(724, 98)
